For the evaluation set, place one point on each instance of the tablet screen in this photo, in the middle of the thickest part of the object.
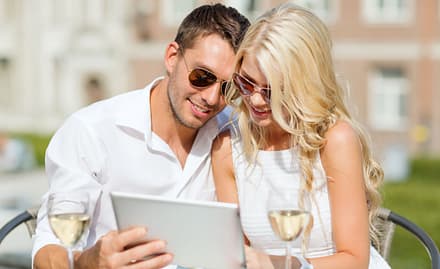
(198, 233)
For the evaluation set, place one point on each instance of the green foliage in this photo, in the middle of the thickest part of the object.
(418, 200)
(38, 142)
(425, 168)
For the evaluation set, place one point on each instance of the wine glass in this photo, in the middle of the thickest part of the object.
(289, 214)
(69, 218)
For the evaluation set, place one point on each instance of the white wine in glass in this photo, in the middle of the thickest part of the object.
(69, 218)
(289, 214)
(288, 224)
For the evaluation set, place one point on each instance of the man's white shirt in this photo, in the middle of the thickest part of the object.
(109, 146)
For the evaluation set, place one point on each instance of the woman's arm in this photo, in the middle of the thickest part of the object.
(222, 168)
(342, 161)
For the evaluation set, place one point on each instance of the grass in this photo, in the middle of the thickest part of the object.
(417, 199)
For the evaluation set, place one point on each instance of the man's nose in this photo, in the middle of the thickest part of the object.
(212, 95)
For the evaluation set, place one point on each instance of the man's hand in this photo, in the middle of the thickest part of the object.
(126, 249)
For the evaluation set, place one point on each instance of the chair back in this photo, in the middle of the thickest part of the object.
(386, 223)
(28, 217)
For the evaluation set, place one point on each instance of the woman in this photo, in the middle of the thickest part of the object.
(292, 121)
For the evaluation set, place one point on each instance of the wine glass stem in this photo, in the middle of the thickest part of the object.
(70, 257)
(288, 264)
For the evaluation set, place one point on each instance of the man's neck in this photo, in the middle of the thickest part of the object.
(164, 124)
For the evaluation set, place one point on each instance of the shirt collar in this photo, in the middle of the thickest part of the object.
(133, 113)
(134, 117)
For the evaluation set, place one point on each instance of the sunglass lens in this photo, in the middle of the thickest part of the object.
(247, 88)
(201, 78)
(266, 94)
(241, 83)
(224, 87)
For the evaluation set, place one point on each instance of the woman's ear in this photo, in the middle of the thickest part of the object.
(171, 57)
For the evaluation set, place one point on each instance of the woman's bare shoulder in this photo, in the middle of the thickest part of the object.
(340, 134)
(222, 142)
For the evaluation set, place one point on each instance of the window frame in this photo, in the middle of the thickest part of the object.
(328, 16)
(6, 81)
(394, 93)
(8, 12)
(172, 16)
(240, 5)
(372, 14)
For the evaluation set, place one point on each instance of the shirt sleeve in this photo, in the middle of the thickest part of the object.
(75, 159)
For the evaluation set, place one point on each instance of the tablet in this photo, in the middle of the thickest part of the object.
(199, 233)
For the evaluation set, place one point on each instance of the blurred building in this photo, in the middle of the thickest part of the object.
(59, 55)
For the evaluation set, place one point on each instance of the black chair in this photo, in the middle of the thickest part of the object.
(27, 217)
(388, 220)
(18, 260)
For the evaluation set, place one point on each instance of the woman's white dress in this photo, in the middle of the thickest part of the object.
(281, 168)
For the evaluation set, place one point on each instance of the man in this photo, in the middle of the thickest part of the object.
(153, 141)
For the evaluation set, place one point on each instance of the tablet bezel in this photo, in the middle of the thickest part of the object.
(213, 239)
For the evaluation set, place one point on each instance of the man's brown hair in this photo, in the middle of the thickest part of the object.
(205, 20)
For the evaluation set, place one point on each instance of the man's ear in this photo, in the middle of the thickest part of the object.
(171, 56)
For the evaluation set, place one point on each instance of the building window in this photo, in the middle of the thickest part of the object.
(173, 11)
(388, 11)
(59, 12)
(388, 99)
(88, 14)
(5, 83)
(324, 9)
(8, 11)
(250, 8)
(94, 89)
(141, 13)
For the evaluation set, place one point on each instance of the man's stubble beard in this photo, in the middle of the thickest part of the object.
(174, 107)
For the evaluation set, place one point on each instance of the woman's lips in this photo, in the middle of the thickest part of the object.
(260, 113)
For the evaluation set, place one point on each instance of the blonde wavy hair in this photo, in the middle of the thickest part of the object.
(293, 49)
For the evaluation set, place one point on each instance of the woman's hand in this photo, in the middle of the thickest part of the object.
(259, 260)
